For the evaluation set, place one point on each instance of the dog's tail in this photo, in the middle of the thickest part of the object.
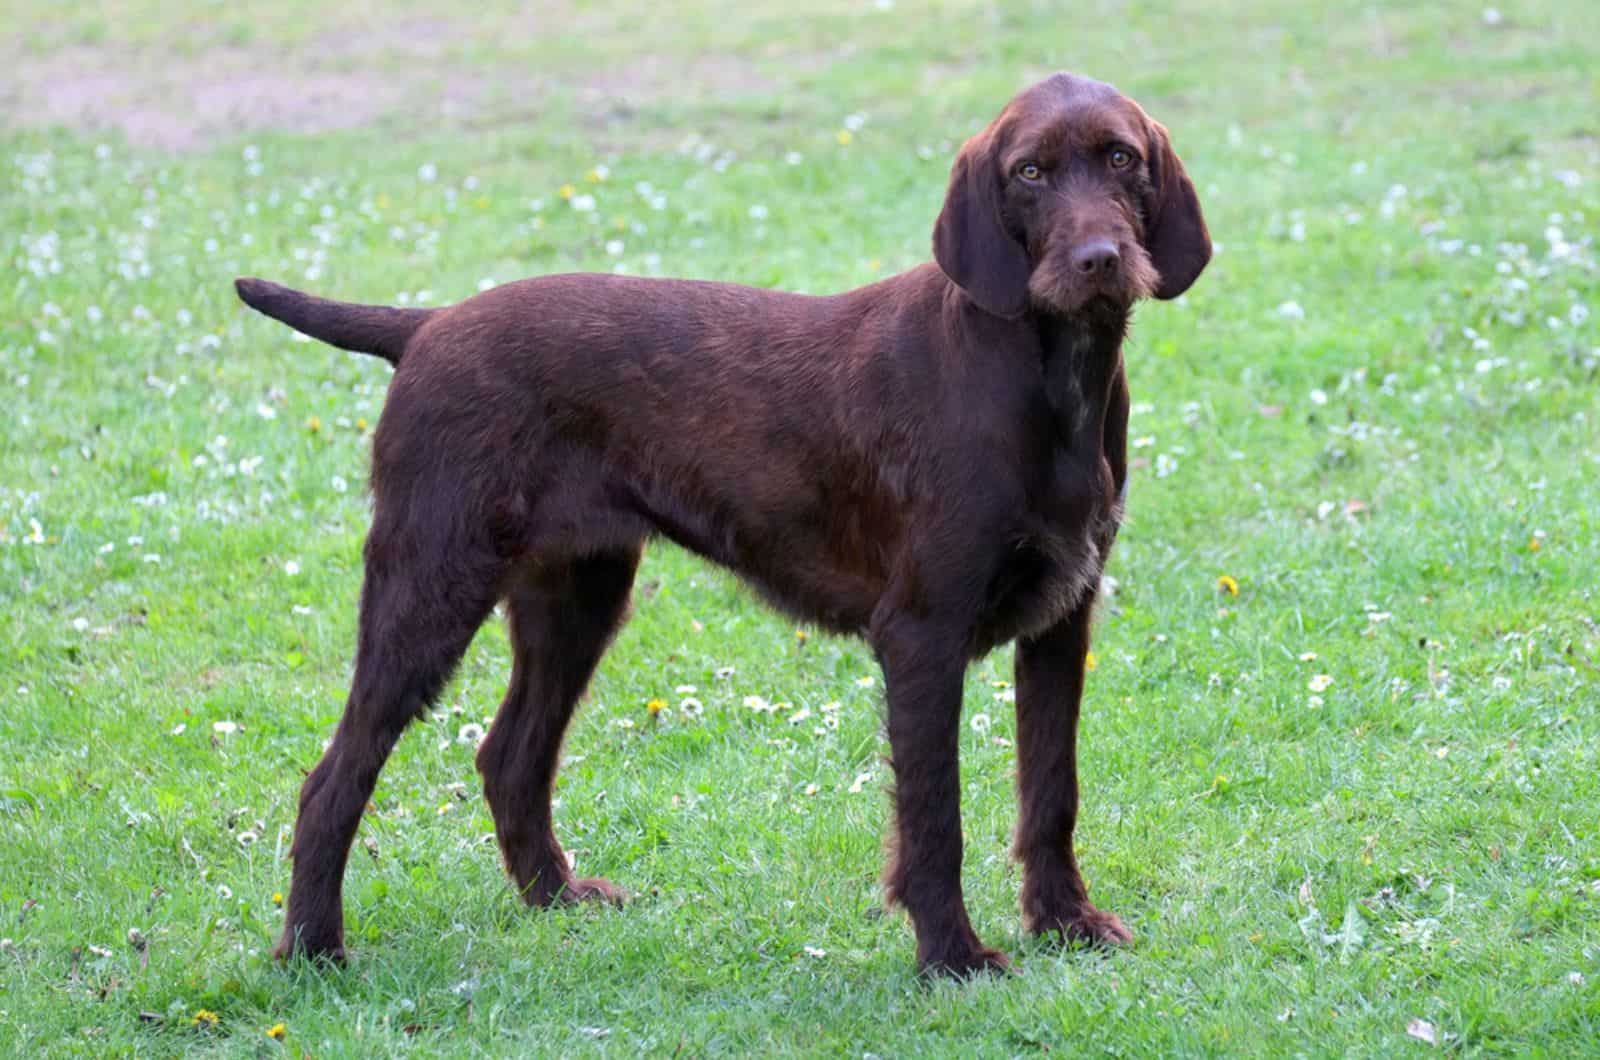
(382, 331)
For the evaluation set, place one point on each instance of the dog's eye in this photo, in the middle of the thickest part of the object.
(1120, 158)
(1029, 171)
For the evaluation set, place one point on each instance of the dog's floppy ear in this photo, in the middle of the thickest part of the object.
(970, 241)
(1175, 235)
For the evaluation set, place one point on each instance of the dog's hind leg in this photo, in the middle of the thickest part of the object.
(562, 615)
(421, 603)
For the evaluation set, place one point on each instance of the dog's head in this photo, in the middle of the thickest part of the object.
(1073, 196)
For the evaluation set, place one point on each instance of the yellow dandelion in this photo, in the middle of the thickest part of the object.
(481, 202)
(1090, 662)
(313, 425)
(844, 136)
(620, 224)
(655, 706)
(597, 175)
(383, 202)
(1534, 544)
(801, 636)
(205, 1019)
(1227, 584)
(277, 1031)
(277, 899)
(567, 191)
(361, 423)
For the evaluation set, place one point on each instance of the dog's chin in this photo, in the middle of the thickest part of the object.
(1075, 301)
(1095, 305)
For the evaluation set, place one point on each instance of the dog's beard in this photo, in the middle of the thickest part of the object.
(1056, 287)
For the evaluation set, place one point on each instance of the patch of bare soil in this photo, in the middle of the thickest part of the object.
(188, 102)
(179, 99)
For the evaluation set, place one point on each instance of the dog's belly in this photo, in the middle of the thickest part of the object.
(822, 558)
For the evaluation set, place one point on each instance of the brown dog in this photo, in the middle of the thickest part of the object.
(935, 462)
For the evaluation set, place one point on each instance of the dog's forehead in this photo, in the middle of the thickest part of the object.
(1067, 112)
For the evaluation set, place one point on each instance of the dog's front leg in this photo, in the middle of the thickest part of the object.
(1049, 673)
(923, 666)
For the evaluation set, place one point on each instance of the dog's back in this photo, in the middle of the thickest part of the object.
(601, 409)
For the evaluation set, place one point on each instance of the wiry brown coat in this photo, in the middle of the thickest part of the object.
(934, 462)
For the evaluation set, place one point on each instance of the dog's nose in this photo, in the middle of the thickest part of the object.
(1096, 258)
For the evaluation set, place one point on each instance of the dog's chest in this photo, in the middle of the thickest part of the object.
(1055, 558)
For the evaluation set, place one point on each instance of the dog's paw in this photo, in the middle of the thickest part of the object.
(303, 945)
(966, 964)
(1085, 925)
(593, 889)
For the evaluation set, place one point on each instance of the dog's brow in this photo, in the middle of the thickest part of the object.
(1049, 139)
(1042, 139)
(1069, 129)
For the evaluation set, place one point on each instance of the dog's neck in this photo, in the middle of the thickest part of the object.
(1081, 356)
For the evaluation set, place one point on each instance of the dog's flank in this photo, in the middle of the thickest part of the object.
(935, 462)
(382, 331)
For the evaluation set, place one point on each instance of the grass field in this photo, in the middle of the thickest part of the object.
(1351, 809)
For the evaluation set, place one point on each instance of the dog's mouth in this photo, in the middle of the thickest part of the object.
(1057, 285)
(1079, 300)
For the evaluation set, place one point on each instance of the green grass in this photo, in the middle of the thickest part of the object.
(1377, 411)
